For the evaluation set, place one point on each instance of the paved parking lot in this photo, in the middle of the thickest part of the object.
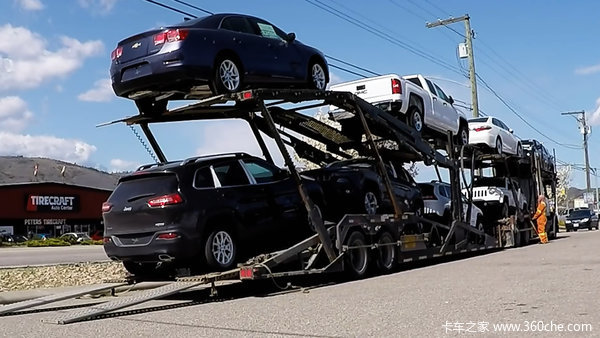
(23, 256)
(537, 287)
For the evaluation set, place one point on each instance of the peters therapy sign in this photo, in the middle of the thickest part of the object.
(52, 203)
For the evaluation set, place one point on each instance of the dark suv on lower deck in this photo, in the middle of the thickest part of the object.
(204, 213)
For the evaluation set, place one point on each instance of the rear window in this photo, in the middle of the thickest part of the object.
(479, 119)
(142, 186)
(427, 191)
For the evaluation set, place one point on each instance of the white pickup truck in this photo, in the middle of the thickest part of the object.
(417, 100)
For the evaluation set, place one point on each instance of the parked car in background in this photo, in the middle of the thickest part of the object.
(355, 186)
(581, 218)
(418, 101)
(437, 197)
(12, 239)
(75, 237)
(492, 132)
(207, 212)
(535, 146)
(220, 53)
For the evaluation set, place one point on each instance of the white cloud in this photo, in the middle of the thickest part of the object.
(29, 67)
(69, 150)
(98, 6)
(101, 92)
(14, 114)
(119, 165)
(30, 5)
(588, 70)
(594, 119)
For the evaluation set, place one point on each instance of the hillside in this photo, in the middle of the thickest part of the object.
(17, 169)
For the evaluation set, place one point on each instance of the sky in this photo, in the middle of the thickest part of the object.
(541, 57)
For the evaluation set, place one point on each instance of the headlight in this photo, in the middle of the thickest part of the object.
(585, 220)
(568, 221)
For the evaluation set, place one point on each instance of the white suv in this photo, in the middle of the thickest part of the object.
(496, 192)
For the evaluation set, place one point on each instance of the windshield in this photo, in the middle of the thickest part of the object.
(489, 181)
(580, 213)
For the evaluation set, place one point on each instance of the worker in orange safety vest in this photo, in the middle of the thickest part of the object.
(540, 216)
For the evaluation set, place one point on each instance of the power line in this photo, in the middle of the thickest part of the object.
(171, 8)
(501, 99)
(379, 33)
(194, 7)
(352, 65)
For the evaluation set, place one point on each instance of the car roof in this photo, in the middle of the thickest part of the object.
(153, 167)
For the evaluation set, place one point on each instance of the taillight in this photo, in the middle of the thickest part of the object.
(396, 86)
(168, 235)
(106, 207)
(115, 54)
(171, 35)
(161, 201)
(106, 240)
(483, 128)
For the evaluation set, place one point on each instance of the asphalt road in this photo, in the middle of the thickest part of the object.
(23, 256)
(538, 287)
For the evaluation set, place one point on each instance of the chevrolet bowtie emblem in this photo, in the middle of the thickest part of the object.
(136, 45)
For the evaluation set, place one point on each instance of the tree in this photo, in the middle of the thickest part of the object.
(563, 175)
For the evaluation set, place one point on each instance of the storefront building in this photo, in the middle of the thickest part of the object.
(51, 208)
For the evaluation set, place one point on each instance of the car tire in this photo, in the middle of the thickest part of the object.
(499, 146)
(151, 107)
(505, 210)
(370, 202)
(357, 260)
(227, 77)
(462, 137)
(519, 150)
(220, 248)
(415, 119)
(385, 255)
(317, 76)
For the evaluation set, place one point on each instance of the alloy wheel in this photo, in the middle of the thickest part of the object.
(222, 248)
(229, 75)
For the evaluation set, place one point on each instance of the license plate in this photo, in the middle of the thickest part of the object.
(576, 225)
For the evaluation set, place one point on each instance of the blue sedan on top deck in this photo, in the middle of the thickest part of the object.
(221, 53)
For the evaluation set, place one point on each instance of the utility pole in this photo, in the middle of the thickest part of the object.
(469, 41)
(585, 133)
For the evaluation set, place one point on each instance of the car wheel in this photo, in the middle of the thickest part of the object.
(519, 150)
(415, 119)
(317, 76)
(357, 260)
(227, 76)
(370, 202)
(151, 107)
(385, 255)
(499, 146)
(505, 211)
(220, 249)
(462, 138)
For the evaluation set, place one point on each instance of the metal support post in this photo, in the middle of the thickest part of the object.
(153, 143)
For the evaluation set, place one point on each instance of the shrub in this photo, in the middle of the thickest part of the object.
(48, 242)
(92, 242)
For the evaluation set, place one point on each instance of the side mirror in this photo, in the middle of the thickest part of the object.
(450, 100)
(511, 130)
(290, 37)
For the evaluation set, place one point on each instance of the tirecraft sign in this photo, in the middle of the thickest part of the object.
(52, 203)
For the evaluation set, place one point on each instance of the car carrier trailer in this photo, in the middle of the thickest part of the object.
(358, 243)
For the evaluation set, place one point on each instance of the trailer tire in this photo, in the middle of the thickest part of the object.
(357, 260)
(385, 256)
(220, 248)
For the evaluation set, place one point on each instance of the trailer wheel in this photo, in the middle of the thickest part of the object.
(385, 255)
(220, 248)
(357, 260)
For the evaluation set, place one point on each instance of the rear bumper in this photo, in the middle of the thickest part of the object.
(157, 250)
(482, 138)
(158, 72)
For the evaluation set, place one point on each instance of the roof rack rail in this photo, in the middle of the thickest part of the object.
(204, 157)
